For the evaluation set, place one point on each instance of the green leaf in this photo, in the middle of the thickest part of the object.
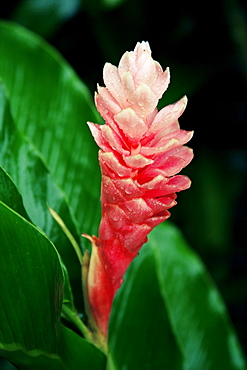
(140, 336)
(76, 353)
(51, 106)
(31, 285)
(38, 190)
(10, 195)
(196, 311)
(168, 313)
(20, 157)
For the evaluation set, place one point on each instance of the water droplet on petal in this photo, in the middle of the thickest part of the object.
(128, 190)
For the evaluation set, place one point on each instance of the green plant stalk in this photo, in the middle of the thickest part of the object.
(93, 334)
(73, 317)
(67, 233)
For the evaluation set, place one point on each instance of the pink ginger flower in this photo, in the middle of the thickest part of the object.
(141, 153)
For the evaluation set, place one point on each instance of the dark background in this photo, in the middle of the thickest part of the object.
(205, 46)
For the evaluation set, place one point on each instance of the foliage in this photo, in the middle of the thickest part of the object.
(168, 312)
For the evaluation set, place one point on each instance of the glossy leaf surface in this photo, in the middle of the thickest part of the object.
(140, 335)
(38, 190)
(196, 310)
(193, 310)
(51, 107)
(31, 282)
(10, 195)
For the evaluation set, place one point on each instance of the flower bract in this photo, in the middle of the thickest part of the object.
(141, 153)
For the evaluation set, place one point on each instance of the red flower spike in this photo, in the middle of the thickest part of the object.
(141, 153)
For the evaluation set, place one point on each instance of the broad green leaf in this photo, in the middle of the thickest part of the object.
(10, 195)
(15, 150)
(31, 285)
(45, 16)
(38, 190)
(51, 106)
(168, 313)
(74, 353)
(140, 335)
(196, 311)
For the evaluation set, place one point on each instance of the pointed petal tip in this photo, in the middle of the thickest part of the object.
(107, 65)
(184, 99)
(167, 74)
(167, 71)
(182, 103)
(87, 237)
(144, 45)
(91, 126)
